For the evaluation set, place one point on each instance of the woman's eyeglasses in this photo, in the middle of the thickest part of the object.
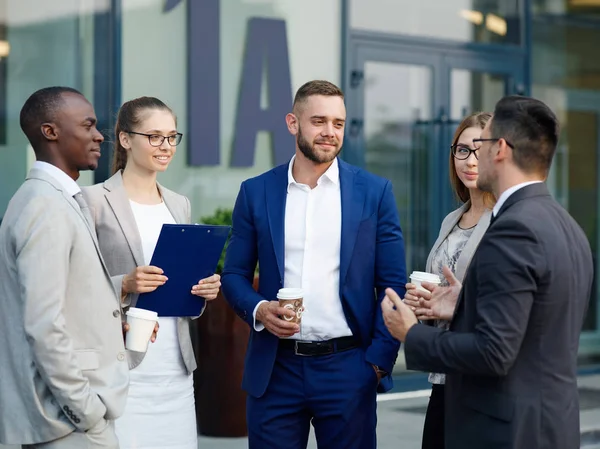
(157, 140)
(462, 152)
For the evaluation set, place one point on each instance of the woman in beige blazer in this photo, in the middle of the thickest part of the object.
(460, 234)
(129, 210)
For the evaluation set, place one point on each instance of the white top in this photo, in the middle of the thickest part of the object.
(313, 228)
(67, 183)
(165, 351)
(160, 406)
(507, 193)
(149, 219)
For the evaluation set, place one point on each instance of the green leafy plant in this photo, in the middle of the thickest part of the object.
(222, 217)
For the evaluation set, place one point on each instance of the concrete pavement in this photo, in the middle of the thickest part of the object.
(401, 416)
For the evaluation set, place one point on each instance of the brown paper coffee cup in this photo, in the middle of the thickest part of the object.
(292, 299)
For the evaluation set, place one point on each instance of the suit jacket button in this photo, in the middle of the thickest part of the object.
(116, 313)
(120, 357)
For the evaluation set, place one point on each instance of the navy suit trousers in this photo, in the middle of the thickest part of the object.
(337, 392)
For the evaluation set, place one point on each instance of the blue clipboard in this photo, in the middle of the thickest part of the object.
(186, 254)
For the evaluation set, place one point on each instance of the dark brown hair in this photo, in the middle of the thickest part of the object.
(128, 118)
(316, 87)
(532, 129)
(475, 120)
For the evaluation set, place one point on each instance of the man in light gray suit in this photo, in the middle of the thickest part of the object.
(63, 369)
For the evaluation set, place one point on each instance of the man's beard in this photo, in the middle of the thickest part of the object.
(309, 152)
(484, 184)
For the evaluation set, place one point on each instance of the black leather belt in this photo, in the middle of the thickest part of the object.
(314, 348)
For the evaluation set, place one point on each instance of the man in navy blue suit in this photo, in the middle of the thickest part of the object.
(319, 224)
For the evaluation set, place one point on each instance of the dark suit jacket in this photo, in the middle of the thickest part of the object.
(511, 352)
(371, 259)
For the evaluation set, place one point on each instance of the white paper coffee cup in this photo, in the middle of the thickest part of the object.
(290, 293)
(416, 277)
(141, 325)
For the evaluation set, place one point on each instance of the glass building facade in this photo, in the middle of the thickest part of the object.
(229, 68)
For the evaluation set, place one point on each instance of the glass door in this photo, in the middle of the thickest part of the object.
(397, 136)
(404, 104)
(394, 132)
(475, 83)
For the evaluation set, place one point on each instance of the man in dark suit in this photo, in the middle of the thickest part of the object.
(511, 351)
(331, 229)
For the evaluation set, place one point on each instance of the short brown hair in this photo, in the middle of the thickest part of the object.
(317, 87)
(475, 120)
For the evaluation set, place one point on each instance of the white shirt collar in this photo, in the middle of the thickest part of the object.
(332, 173)
(67, 183)
(507, 193)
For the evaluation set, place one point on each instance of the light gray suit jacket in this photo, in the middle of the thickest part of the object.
(121, 245)
(465, 257)
(467, 253)
(62, 359)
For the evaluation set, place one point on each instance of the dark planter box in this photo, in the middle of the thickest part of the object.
(220, 340)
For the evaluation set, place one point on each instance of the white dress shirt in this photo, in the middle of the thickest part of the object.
(507, 193)
(313, 229)
(67, 183)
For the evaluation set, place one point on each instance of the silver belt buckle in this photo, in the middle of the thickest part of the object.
(296, 348)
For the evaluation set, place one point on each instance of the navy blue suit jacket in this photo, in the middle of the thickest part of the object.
(371, 259)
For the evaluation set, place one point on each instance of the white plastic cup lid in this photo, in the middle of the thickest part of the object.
(425, 277)
(142, 313)
(290, 293)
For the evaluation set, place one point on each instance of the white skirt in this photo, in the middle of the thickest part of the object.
(160, 411)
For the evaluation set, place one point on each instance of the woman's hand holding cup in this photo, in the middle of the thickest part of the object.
(419, 290)
(413, 295)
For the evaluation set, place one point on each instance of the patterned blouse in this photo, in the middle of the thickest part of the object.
(447, 254)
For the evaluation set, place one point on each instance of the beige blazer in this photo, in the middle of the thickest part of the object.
(121, 245)
(62, 361)
(467, 253)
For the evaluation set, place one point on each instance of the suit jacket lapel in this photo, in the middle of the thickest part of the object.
(444, 231)
(531, 190)
(276, 196)
(39, 174)
(469, 249)
(178, 213)
(352, 191)
(119, 202)
(464, 261)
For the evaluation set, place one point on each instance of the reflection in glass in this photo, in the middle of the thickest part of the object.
(574, 180)
(489, 21)
(397, 136)
(566, 75)
(474, 91)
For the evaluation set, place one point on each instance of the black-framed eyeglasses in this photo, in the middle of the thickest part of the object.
(156, 140)
(494, 140)
(462, 152)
